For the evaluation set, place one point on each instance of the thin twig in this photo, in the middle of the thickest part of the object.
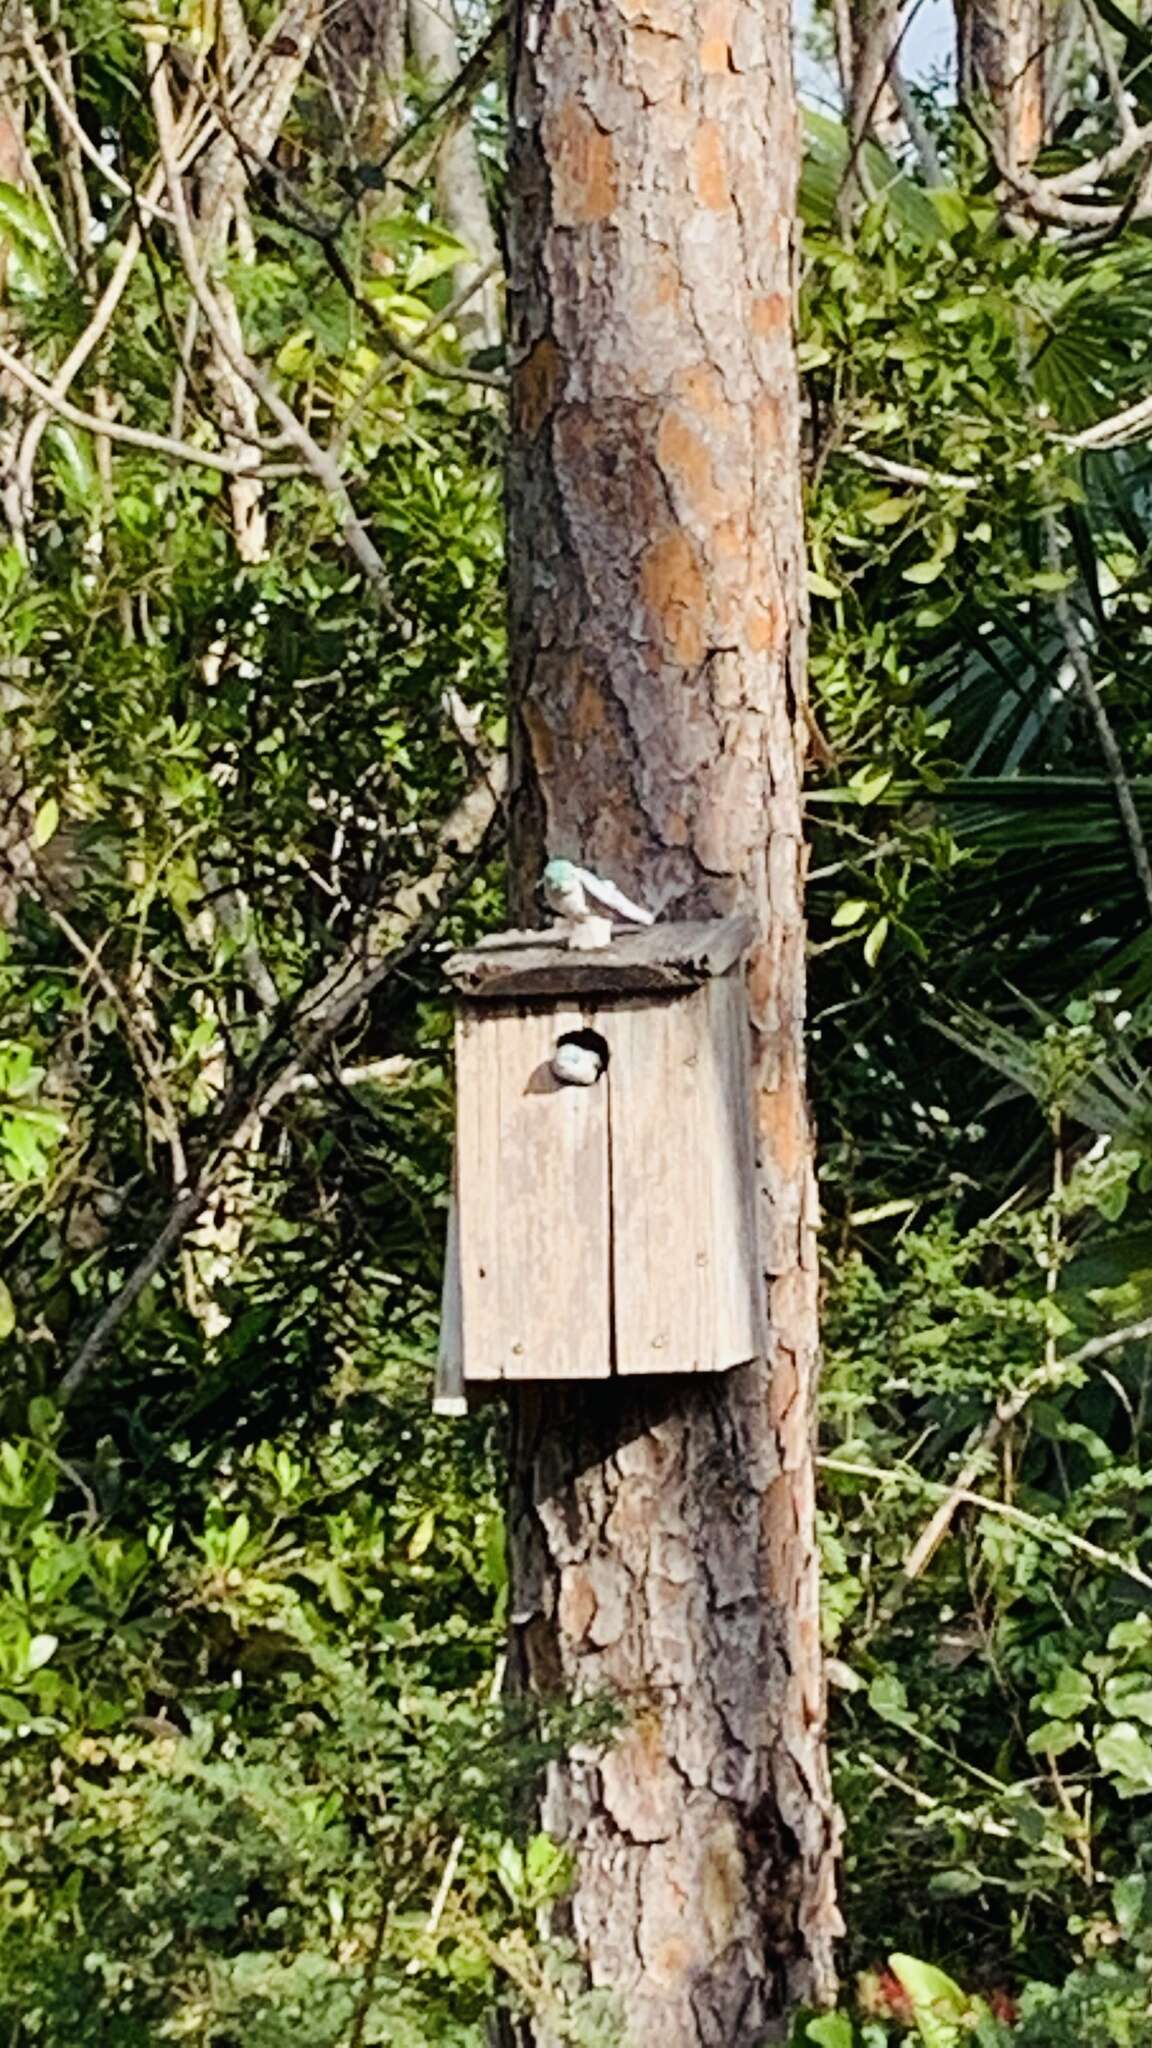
(136, 437)
(1109, 746)
(1038, 1525)
(909, 472)
(322, 1015)
(468, 76)
(459, 300)
(139, 1043)
(326, 471)
(863, 120)
(456, 1850)
(984, 1440)
(490, 380)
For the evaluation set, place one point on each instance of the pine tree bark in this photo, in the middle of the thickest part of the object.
(1003, 49)
(662, 1532)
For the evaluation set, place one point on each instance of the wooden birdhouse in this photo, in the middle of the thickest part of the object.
(604, 1216)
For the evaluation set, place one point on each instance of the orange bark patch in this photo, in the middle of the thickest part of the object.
(663, 279)
(716, 38)
(711, 167)
(687, 463)
(764, 626)
(585, 184)
(702, 390)
(541, 740)
(771, 314)
(577, 1605)
(536, 386)
(673, 590)
(783, 1126)
(769, 425)
(587, 712)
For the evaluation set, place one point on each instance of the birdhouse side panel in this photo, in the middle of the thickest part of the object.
(687, 1289)
(741, 1294)
(532, 1203)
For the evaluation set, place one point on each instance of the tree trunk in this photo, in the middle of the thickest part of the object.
(461, 194)
(662, 1533)
(866, 35)
(1002, 60)
(364, 46)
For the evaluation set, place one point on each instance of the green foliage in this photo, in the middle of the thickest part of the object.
(256, 1782)
(981, 1031)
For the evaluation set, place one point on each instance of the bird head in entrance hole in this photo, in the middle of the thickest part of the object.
(580, 1058)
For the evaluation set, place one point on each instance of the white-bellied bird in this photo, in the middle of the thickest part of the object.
(580, 1058)
(580, 898)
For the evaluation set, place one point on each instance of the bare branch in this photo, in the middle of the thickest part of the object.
(75, 127)
(135, 437)
(1039, 1525)
(1114, 431)
(1005, 1413)
(909, 472)
(489, 379)
(322, 465)
(1084, 176)
(318, 1019)
(1109, 747)
(1120, 99)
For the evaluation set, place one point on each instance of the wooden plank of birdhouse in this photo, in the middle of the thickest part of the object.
(663, 957)
(687, 1295)
(448, 1396)
(741, 1311)
(532, 1187)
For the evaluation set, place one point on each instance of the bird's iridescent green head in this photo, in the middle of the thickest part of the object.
(559, 874)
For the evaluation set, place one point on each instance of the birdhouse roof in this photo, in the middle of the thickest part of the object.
(661, 959)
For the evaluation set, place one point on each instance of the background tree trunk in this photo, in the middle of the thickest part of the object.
(1002, 62)
(460, 186)
(662, 1534)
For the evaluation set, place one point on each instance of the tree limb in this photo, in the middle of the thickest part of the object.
(1005, 1413)
(1116, 430)
(1039, 1525)
(135, 437)
(321, 1016)
(322, 465)
(909, 472)
(1106, 738)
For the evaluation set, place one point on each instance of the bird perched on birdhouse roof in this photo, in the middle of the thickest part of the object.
(580, 898)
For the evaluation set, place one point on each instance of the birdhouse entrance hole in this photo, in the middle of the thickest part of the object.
(604, 1215)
